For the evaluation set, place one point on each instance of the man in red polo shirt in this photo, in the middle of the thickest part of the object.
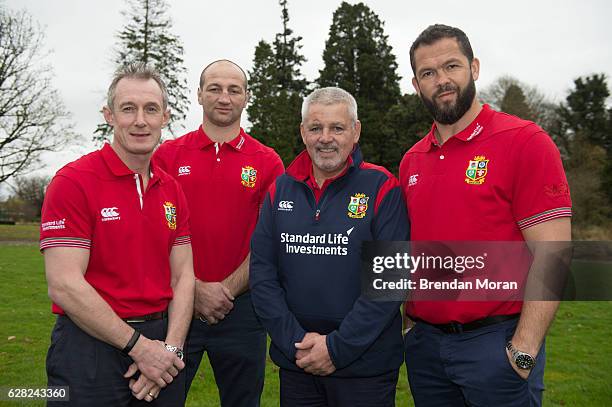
(479, 175)
(225, 174)
(116, 243)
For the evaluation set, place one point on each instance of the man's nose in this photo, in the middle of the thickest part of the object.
(327, 135)
(442, 78)
(224, 97)
(140, 118)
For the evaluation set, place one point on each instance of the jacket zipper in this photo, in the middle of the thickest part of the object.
(317, 214)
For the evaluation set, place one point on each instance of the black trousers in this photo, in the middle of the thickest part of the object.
(299, 389)
(93, 370)
(236, 348)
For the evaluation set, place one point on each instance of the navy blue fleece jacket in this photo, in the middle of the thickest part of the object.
(305, 270)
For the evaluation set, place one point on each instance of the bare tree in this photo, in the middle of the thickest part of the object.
(33, 118)
(31, 191)
(510, 95)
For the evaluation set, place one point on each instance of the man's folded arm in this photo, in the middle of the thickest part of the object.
(266, 292)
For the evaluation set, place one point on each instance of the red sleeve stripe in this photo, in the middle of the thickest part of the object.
(544, 216)
(272, 191)
(389, 184)
(65, 242)
(181, 240)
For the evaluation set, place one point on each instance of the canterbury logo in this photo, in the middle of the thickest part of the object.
(285, 206)
(184, 170)
(110, 214)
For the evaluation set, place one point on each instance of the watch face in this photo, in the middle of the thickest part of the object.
(180, 354)
(524, 361)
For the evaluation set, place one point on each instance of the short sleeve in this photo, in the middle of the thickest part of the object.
(276, 168)
(183, 232)
(66, 220)
(540, 190)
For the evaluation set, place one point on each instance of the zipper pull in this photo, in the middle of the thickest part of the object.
(317, 214)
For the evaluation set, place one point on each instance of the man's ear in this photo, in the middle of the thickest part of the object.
(357, 131)
(200, 96)
(475, 65)
(302, 133)
(415, 85)
(108, 116)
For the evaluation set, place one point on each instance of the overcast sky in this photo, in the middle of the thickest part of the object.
(543, 43)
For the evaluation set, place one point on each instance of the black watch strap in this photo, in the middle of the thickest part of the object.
(131, 342)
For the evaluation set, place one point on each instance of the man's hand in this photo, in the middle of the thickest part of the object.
(154, 361)
(304, 351)
(213, 301)
(313, 356)
(521, 372)
(144, 388)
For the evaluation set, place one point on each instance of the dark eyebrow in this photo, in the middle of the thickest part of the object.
(448, 61)
(452, 60)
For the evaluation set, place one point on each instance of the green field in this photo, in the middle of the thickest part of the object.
(577, 372)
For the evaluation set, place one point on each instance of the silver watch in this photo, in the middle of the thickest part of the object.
(175, 349)
(522, 360)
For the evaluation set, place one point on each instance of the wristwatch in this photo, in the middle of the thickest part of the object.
(522, 360)
(175, 349)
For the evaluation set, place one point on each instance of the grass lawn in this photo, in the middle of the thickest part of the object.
(577, 373)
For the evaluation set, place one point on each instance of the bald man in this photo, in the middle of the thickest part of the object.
(225, 174)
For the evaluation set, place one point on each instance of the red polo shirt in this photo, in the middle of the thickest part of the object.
(98, 203)
(225, 185)
(487, 183)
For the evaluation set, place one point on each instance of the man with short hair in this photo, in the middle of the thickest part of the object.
(116, 243)
(334, 347)
(479, 175)
(225, 174)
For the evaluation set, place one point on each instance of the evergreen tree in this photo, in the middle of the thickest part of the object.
(406, 123)
(359, 59)
(277, 89)
(147, 38)
(514, 103)
(585, 123)
(585, 110)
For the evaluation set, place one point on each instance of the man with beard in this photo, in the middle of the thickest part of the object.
(479, 175)
(225, 174)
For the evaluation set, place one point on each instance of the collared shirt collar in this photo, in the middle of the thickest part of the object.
(301, 168)
(118, 167)
(237, 143)
(474, 129)
(114, 163)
